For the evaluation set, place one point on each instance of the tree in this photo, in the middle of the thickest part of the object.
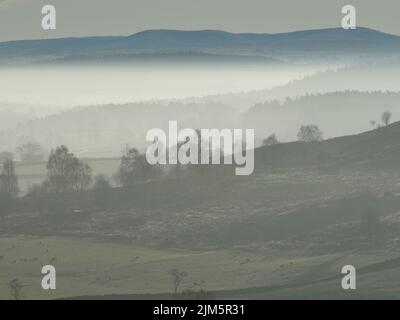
(66, 173)
(270, 141)
(177, 278)
(15, 287)
(310, 133)
(101, 188)
(386, 116)
(81, 176)
(134, 168)
(8, 181)
(30, 152)
(8, 187)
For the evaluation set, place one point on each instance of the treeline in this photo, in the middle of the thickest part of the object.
(103, 128)
(66, 174)
(99, 130)
(338, 98)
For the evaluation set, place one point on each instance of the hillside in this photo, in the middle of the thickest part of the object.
(104, 130)
(345, 79)
(337, 113)
(378, 149)
(326, 179)
(283, 232)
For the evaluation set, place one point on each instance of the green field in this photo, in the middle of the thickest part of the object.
(91, 268)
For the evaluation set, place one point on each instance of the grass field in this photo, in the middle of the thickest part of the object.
(91, 268)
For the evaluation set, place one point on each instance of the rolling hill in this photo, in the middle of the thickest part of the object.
(283, 232)
(311, 45)
(297, 188)
(103, 130)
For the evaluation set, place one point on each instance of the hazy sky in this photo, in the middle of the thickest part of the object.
(21, 19)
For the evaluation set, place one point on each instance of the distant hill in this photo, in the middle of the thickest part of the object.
(310, 45)
(350, 78)
(113, 126)
(336, 113)
(297, 189)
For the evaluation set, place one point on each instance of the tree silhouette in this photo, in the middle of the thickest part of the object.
(15, 287)
(177, 278)
(134, 168)
(66, 173)
(386, 116)
(8, 180)
(310, 133)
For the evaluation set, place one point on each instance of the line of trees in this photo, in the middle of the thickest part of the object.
(8, 181)
(66, 173)
(8, 186)
(306, 133)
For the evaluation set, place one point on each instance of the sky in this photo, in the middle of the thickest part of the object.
(21, 19)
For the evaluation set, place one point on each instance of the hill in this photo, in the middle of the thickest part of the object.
(338, 113)
(324, 183)
(283, 232)
(105, 129)
(311, 45)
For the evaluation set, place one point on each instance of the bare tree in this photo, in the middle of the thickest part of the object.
(8, 181)
(386, 116)
(177, 278)
(310, 133)
(134, 168)
(67, 173)
(15, 287)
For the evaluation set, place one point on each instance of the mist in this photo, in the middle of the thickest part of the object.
(60, 87)
(78, 193)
